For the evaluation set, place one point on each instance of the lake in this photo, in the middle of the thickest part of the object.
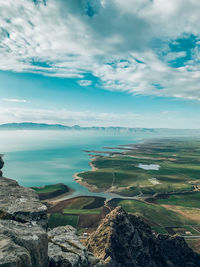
(36, 158)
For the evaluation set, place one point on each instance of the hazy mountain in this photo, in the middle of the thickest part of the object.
(44, 126)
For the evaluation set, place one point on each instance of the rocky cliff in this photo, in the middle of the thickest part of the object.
(24, 238)
(121, 240)
(23, 224)
(124, 240)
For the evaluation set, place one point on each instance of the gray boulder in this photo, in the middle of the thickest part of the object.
(23, 223)
(66, 250)
(21, 204)
(22, 245)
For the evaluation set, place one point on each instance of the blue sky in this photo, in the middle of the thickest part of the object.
(133, 63)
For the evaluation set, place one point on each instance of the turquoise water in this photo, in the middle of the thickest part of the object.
(36, 158)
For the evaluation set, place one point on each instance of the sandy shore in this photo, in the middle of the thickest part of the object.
(58, 198)
(90, 187)
(78, 179)
(92, 165)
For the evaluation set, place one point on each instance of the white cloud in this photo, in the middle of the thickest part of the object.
(85, 82)
(123, 43)
(14, 100)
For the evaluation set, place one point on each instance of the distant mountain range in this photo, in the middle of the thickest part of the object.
(44, 126)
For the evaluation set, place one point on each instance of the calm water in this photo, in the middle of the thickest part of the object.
(36, 158)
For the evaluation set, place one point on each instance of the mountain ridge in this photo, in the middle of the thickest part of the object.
(47, 126)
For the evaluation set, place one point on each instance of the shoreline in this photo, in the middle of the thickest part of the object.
(91, 163)
(94, 189)
(79, 180)
(59, 197)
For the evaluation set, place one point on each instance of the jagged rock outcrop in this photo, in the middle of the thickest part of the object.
(124, 240)
(65, 249)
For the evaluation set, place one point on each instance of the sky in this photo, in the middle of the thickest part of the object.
(132, 63)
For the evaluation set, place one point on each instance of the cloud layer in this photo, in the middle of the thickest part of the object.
(140, 46)
(14, 100)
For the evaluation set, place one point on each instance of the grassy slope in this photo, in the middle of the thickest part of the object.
(186, 200)
(61, 220)
(49, 188)
(79, 203)
(155, 213)
(81, 211)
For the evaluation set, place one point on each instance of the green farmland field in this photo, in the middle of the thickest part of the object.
(155, 213)
(178, 161)
(57, 219)
(186, 200)
(49, 188)
(81, 211)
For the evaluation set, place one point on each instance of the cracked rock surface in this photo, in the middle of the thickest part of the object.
(22, 244)
(65, 249)
(20, 203)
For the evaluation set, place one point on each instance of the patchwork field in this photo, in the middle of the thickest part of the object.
(156, 215)
(81, 212)
(191, 200)
(163, 166)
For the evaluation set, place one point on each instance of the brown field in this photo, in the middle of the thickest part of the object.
(81, 204)
(194, 244)
(190, 213)
(92, 220)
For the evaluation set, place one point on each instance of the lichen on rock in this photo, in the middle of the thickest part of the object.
(65, 248)
(22, 244)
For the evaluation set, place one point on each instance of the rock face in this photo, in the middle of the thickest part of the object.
(23, 223)
(20, 203)
(22, 244)
(123, 240)
(65, 249)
